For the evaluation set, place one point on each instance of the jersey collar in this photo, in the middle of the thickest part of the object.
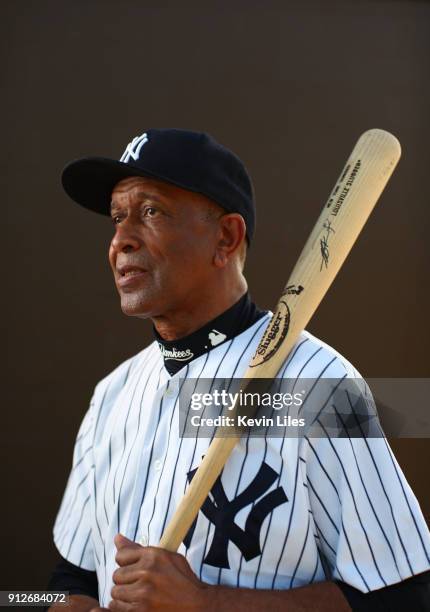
(233, 321)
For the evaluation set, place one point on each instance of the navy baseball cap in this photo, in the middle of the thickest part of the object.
(191, 160)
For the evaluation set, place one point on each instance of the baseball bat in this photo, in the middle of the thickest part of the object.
(356, 192)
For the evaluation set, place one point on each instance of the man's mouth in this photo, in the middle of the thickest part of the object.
(128, 274)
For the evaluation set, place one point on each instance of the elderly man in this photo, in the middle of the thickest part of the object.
(294, 524)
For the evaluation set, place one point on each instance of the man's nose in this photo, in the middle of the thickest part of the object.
(125, 238)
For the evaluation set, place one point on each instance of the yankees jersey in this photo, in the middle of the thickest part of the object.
(286, 511)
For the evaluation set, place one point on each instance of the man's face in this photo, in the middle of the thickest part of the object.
(162, 251)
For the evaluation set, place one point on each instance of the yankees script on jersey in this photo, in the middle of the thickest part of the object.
(286, 512)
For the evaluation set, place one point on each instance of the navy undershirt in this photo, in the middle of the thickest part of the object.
(232, 322)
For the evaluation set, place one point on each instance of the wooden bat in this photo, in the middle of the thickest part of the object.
(356, 192)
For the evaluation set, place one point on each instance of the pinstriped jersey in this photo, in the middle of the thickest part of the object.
(286, 512)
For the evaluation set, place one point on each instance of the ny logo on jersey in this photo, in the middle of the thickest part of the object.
(221, 512)
(133, 148)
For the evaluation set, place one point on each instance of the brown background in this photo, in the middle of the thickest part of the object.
(289, 86)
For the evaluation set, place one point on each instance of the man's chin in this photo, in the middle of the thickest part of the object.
(135, 308)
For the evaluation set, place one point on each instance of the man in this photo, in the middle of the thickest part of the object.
(292, 523)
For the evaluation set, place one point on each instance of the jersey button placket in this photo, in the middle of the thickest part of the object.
(158, 464)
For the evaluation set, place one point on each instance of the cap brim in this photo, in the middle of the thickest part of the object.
(90, 181)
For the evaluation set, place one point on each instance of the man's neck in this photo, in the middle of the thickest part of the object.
(183, 323)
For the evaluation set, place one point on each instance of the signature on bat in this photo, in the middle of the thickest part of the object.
(293, 289)
(325, 253)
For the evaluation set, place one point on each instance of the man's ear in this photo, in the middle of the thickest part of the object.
(231, 234)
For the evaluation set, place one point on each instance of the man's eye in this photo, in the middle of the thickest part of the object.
(150, 211)
(116, 219)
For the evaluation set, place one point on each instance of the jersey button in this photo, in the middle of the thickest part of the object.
(158, 465)
(143, 541)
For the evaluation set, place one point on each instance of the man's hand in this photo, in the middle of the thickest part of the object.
(149, 578)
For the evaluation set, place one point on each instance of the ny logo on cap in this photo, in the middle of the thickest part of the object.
(133, 148)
